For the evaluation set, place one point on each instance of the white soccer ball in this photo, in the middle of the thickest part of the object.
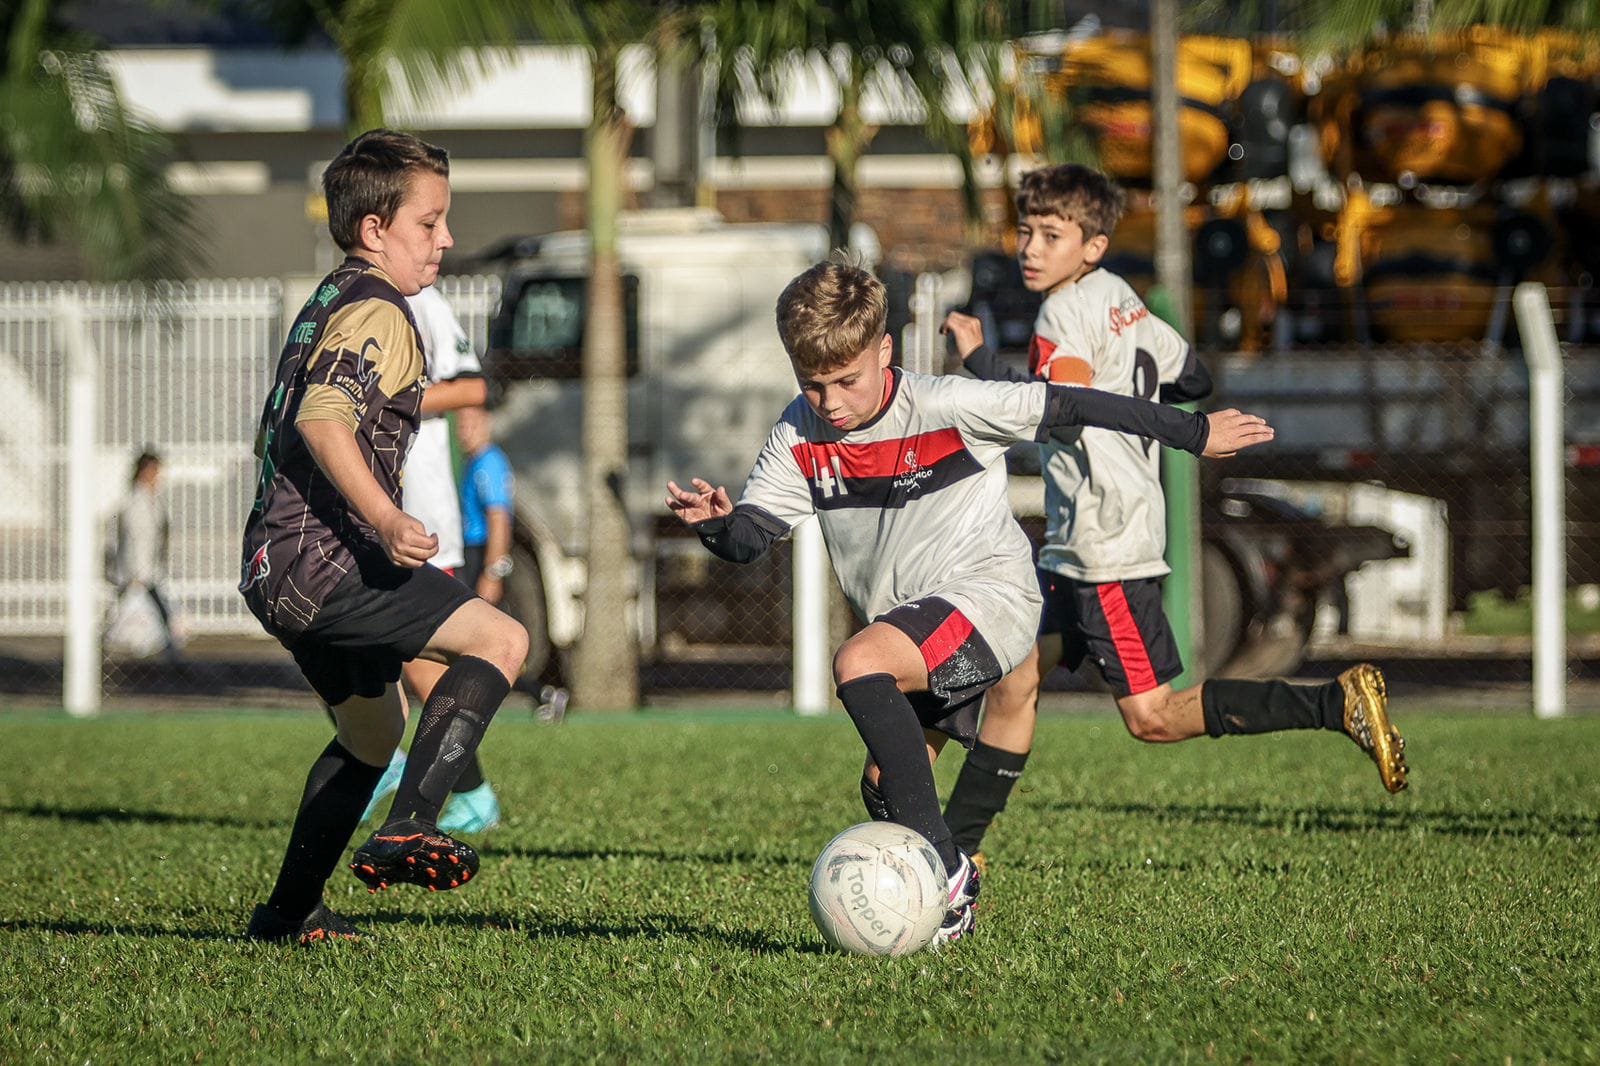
(878, 889)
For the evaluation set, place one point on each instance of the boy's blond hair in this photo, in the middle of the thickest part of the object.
(372, 176)
(830, 314)
(1076, 193)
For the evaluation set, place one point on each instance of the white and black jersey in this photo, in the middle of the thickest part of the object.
(913, 503)
(1104, 506)
(430, 485)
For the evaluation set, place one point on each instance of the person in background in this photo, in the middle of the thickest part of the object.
(486, 501)
(455, 383)
(139, 559)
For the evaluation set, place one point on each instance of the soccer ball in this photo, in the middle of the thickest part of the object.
(878, 889)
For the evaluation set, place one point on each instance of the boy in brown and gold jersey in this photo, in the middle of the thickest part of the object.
(337, 571)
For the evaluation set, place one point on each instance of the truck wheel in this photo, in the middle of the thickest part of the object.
(525, 602)
(1222, 611)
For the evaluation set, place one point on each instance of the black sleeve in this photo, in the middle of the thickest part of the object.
(1073, 406)
(986, 366)
(1194, 383)
(745, 536)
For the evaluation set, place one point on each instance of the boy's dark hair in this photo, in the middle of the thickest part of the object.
(371, 176)
(147, 458)
(828, 315)
(1076, 193)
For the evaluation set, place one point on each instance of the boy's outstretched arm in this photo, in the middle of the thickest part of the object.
(966, 332)
(741, 534)
(1217, 435)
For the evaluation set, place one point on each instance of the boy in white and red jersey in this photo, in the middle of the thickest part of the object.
(905, 472)
(1101, 565)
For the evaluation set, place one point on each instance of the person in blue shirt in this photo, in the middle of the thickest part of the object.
(486, 501)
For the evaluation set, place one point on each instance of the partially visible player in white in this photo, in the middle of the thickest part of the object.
(455, 381)
(1102, 562)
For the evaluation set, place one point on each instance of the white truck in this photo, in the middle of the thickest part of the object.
(707, 379)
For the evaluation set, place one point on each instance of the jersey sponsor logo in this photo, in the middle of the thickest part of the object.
(256, 568)
(1126, 315)
(883, 474)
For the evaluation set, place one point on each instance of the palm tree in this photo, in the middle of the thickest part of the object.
(74, 163)
(437, 47)
(916, 51)
(1341, 22)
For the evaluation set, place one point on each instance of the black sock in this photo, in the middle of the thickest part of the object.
(453, 722)
(872, 798)
(1268, 706)
(337, 791)
(471, 775)
(981, 791)
(893, 735)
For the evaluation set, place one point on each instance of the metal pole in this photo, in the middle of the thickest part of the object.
(1546, 443)
(81, 654)
(1180, 473)
(813, 668)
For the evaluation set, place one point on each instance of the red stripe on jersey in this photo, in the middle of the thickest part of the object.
(943, 642)
(1039, 351)
(1127, 638)
(883, 458)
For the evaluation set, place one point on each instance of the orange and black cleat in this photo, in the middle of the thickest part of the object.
(414, 854)
(320, 926)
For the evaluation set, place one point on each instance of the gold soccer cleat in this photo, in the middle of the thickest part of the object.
(1366, 719)
(982, 864)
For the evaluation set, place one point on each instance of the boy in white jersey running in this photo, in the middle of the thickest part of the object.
(455, 383)
(905, 472)
(1101, 565)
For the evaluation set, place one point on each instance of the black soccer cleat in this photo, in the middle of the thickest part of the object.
(413, 853)
(315, 928)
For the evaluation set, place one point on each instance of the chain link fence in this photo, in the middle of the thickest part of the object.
(1389, 520)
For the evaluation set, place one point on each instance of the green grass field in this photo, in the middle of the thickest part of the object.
(1250, 899)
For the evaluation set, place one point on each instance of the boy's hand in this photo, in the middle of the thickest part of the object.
(405, 540)
(1233, 431)
(706, 502)
(965, 330)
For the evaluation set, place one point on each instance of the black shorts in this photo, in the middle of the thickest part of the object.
(470, 571)
(961, 667)
(1120, 625)
(374, 620)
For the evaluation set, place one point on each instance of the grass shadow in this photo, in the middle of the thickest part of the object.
(647, 927)
(115, 815)
(109, 929)
(715, 858)
(1471, 824)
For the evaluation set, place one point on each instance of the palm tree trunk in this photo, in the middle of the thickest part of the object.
(606, 666)
(848, 139)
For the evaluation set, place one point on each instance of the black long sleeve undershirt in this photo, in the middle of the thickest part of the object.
(1194, 382)
(984, 365)
(749, 532)
(1067, 405)
(745, 536)
(1065, 416)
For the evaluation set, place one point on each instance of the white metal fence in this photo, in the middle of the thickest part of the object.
(180, 368)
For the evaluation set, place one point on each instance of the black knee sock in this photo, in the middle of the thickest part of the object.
(1268, 706)
(872, 798)
(337, 791)
(471, 775)
(453, 722)
(893, 735)
(981, 791)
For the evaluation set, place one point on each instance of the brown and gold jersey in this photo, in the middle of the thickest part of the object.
(353, 357)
